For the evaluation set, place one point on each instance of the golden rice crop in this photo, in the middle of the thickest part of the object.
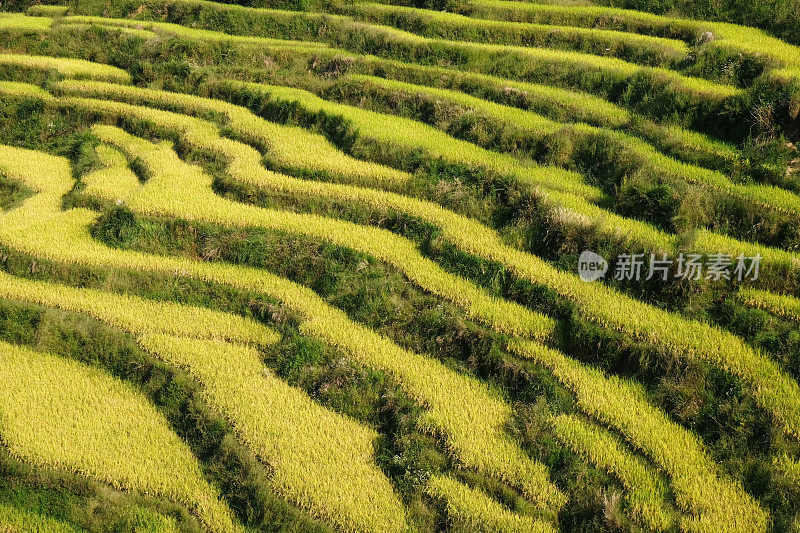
(579, 106)
(780, 304)
(310, 449)
(468, 415)
(714, 502)
(742, 39)
(315, 153)
(46, 10)
(646, 492)
(21, 520)
(137, 315)
(475, 509)
(789, 468)
(24, 23)
(57, 413)
(115, 181)
(453, 26)
(14, 88)
(286, 145)
(320, 460)
(778, 394)
(769, 197)
(73, 68)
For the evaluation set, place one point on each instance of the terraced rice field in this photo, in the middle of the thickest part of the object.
(284, 265)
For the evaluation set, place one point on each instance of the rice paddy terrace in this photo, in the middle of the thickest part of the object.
(301, 265)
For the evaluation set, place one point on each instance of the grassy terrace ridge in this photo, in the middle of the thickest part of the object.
(474, 428)
(653, 51)
(769, 197)
(164, 28)
(120, 439)
(732, 37)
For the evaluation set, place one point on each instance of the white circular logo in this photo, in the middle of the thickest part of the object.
(591, 266)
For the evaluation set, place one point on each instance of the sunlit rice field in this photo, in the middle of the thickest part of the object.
(475, 266)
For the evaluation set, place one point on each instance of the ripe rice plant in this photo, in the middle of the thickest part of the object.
(739, 39)
(713, 502)
(72, 68)
(13, 88)
(286, 146)
(38, 10)
(782, 305)
(374, 125)
(476, 510)
(118, 439)
(321, 460)
(646, 492)
(769, 197)
(115, 181)
(140, 316)
(462, 409)
(562, 105)
(503, 406)
(24, 23)
(391, 42)
(777, 394)
(22, 520)
(249, 396)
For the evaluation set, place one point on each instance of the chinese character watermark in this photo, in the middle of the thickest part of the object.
(685, 266)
